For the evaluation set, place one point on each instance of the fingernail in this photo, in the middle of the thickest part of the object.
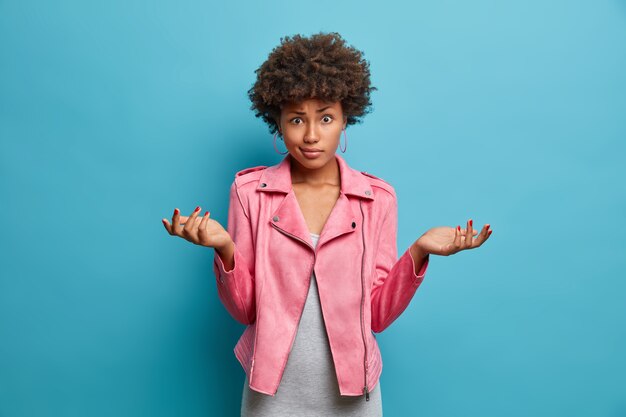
(458, 228)
(470, 222)
(489, 232)
(206, 213)
(176, 211)
(197, 209)
(487, 225)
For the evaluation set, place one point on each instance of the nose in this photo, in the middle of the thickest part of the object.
(311, 134)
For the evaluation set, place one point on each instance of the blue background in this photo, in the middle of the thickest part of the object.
(114, 113)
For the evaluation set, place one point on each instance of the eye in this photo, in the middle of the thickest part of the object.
(295, 118)
(327, 116)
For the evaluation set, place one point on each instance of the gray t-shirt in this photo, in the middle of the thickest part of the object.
(309, 384)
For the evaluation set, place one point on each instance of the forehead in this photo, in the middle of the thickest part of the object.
(311, 104)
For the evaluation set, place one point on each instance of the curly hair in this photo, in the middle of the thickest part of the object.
(322, 67)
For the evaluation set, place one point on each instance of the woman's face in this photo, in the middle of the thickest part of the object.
(311, 130)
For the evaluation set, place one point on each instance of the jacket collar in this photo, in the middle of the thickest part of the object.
(278, 178)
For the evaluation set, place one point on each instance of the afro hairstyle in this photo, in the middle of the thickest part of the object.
(321, 66)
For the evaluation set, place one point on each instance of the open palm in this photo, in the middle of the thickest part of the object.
(446, 240)
(199, 230)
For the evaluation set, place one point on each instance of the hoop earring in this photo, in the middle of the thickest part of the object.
(275, 148)
(346, 141)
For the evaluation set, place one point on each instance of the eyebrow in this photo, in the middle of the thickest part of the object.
(319, 110)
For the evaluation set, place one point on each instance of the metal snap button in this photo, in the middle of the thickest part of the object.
(275, 218)
(263, 185)
(368, 192)
(353, 225)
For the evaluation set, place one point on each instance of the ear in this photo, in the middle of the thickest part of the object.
(345, 121)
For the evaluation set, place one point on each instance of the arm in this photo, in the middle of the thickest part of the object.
(396, 279)
(235, 277)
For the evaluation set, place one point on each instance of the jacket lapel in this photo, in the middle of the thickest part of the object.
(340, 221)
(288, 215)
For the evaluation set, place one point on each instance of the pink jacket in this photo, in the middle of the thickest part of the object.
(363, 286)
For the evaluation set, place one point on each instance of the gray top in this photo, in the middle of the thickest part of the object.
(309, 384)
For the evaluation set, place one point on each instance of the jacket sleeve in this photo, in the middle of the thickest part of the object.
(395, 282)
(235, 287)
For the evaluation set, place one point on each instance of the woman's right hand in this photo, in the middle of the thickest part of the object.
(199, 230)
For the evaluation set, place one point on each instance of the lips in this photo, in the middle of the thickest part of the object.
(311, 153)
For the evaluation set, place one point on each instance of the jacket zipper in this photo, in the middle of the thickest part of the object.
(307, 290)
(365, 389)
(365, 367)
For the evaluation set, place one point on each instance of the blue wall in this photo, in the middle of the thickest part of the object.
(114, 113)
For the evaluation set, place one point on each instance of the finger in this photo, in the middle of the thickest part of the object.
(481, 237)
(175, 222)
(463, 232)
(203, 234)
(457, 238)
(197, 225)
(166, 224)
(469, 235)
(191, 222)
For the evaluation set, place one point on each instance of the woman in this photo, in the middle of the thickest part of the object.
(309, 258)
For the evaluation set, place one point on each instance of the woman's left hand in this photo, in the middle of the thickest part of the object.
(449, 240)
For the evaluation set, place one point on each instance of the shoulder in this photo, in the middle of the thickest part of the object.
(379, 185)
(248, 175)
(245, 181)
(243, 184)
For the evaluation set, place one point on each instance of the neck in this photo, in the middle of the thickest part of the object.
(327, 174)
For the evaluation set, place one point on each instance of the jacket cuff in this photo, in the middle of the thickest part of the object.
(221, 272)
(419, 277)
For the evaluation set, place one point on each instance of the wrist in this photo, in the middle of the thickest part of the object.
(229, 247)
(418, 252)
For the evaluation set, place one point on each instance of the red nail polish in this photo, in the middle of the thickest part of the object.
(206, 213)
(489, 232)
(176, 211)
(458, 228)
(470, 222)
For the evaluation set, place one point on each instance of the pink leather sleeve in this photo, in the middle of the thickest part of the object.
(235, 287)
(395, 282)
